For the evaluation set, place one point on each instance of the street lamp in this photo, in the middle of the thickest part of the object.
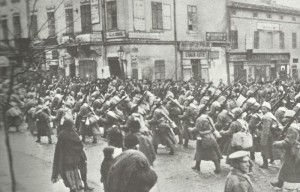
(120, 55)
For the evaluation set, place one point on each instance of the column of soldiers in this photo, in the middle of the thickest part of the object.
(139, 115)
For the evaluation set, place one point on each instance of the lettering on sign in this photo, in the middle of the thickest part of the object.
(268, 26)
(141, 35)
(115, 34)
(95, 14)
(194, 45)
(194, 55)
(237, 58)
(278, 57)
(216, 36)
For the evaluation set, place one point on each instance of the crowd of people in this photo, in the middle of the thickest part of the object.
(136, 116)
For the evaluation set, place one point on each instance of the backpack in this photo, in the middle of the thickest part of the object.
(242, 139)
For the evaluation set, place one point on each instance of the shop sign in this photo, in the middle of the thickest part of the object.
(216, 36)
(84, 1)
(96, 37)
(141, 35)
(115, 34)
(194, 55)
(237, 58)
(268, 26)
(83, 38)
(95, 14)
(194, 45)
(269, 57)
(52, 62)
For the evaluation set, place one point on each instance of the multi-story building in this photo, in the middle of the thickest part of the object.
(84, 38)
(156, 39)
(264, 39)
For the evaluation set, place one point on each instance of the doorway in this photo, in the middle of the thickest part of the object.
(114, 67)
(196, 69)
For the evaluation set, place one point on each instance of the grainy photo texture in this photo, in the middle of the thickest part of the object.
(149, 95)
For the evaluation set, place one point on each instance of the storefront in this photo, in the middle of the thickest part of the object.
(202, 62)
(4, 67)
(259, 66)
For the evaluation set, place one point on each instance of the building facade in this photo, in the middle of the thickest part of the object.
(156, 39)
(264, 40)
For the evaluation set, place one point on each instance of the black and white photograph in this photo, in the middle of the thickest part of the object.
(149, 95)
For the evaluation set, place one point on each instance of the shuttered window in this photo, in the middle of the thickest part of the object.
(69, 21)
(294, 40)
(192, 17)
(51, 24)
(233, 37)
(4, 30)
(281, 40)
(256, 39)
(86, 21)
(157, 15)
(34, 26)
(167, 16)
(159, 69)
(17, 26)
(139, 15)
(112, 22)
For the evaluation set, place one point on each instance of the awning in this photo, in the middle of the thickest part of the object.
(4, 62)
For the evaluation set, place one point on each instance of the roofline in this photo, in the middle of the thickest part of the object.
(247, 6)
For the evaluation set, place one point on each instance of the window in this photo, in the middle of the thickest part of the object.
(167, 16)
(33, 26)
(255, 14)
(17, 26)
(69, 21)
(192, 18)
(157, 16)
(269, 16)
(112, 15)
(270, 40)
(293, 18)
(86, 21)
(256, 39)
(139, 15)
(294, 40)
(159, 67)
(295, 60)
(51, 24)
(233, 38)
(281, 40)
(4, 30)
(281, 17)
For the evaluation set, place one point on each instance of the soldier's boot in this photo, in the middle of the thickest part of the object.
(252, 156)
(171, 150)
(265, 164)
(94, 139)
(38, 139)
(218, 167)
(49, 140)
(155, 148)
(197, 166)
(186, 143)
(278, 184)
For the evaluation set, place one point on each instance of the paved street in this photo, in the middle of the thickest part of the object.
(33, 166)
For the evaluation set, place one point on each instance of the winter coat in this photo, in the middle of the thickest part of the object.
(207, 148)
(290, 170)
